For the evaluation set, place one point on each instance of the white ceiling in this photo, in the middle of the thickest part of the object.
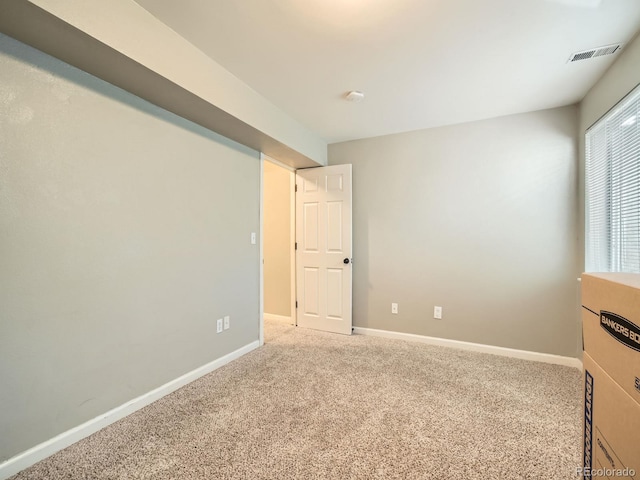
(421, 63)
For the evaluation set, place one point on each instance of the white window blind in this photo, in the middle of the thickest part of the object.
(612, 188)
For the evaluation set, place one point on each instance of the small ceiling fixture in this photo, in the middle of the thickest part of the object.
(354, 96)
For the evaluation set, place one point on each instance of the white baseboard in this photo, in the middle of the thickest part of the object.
(278, 318)
(474, 347)
(43, 450)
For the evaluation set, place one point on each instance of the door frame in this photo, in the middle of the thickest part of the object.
(292, 239)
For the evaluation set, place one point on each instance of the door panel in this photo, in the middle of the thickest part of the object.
(323, 233)
(311, 291)
(334, 227)
(334, 293)
(310, 224)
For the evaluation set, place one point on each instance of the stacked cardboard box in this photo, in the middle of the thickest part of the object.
(610, 319)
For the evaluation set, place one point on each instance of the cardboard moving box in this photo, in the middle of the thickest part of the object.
(611, 427)
(610, 326)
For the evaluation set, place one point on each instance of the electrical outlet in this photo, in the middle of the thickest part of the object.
(219, 326)
(394, 308)
(437, 313)
(227, 321)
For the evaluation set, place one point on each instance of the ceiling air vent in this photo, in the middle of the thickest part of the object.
(595, 52)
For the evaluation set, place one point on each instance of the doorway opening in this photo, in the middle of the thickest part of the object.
(278, 243)
(306, 246)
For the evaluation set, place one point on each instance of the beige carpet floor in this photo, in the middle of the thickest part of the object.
(311, 405)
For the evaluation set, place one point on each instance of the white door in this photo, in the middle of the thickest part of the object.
(323, 253)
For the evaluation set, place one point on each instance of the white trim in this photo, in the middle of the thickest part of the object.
(43, 450)
(473, 347)
(292, 244)
(261, 251)
(278, 318)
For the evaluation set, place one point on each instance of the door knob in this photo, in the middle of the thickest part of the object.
(346, 261)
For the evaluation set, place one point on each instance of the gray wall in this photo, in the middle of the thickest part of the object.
(622, 77)
(124, 235)
(479, 218)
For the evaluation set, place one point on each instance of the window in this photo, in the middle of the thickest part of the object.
(612, 185)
